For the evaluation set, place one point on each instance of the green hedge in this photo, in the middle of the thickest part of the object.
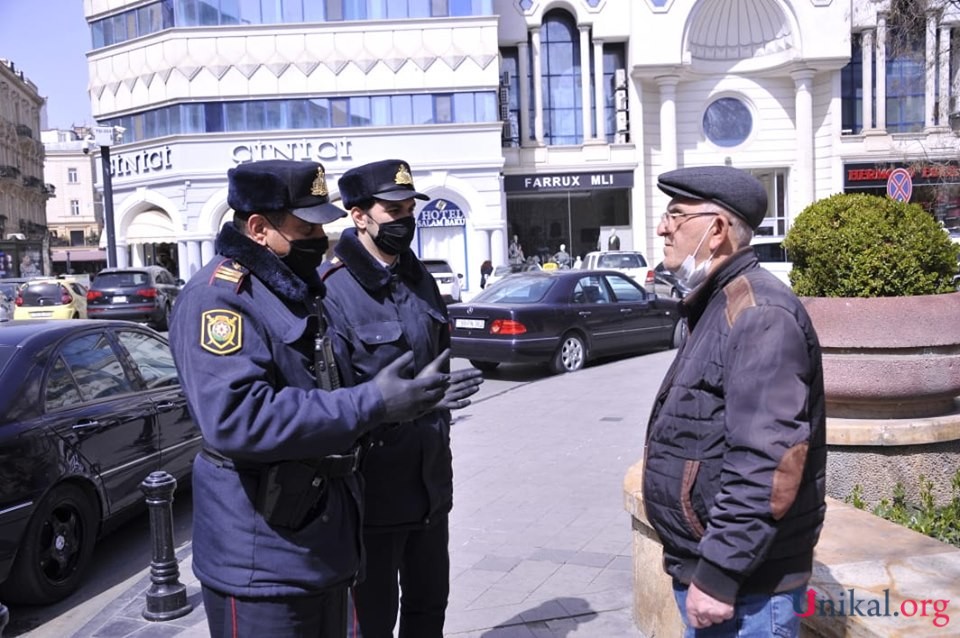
(856, 245)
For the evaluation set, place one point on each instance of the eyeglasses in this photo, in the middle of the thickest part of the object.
(671, 220)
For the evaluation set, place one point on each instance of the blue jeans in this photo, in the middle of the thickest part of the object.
(754, 616)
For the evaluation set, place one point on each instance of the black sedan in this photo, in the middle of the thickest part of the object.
(87, 410)
(562, 318)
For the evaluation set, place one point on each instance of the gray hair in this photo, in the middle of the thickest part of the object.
(740, 233)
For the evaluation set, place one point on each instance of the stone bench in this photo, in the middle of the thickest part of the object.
(884, 567)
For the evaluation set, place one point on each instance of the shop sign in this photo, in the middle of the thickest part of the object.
(315, 150)
(441, 212)
(567, 181)
(148, 160)
(861, 176)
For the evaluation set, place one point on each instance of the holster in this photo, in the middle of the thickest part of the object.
(289, 493)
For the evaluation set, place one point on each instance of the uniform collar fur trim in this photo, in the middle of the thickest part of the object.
(366, 269)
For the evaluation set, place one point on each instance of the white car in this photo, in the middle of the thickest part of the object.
(447, 281)
(773, 256)
(629, 262)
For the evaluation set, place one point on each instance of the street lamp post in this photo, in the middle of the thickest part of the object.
(105, 137)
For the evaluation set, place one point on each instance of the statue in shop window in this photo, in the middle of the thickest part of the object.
(515, 252)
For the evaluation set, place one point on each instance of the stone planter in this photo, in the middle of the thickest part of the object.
(892, 377)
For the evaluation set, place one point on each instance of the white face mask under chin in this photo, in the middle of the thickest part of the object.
(689, 273)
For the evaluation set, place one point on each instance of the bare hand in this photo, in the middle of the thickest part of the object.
(704, 610)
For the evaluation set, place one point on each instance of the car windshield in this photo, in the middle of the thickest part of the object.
(46, 294)
(633, 260)
(437, 267)
(119, 279)
(519, 290)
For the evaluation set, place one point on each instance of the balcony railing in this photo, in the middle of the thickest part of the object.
(24, 131)
(8, 171)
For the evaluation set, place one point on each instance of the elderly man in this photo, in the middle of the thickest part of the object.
(734, 481)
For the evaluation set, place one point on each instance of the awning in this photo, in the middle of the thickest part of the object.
(151, 227)
(80, 254)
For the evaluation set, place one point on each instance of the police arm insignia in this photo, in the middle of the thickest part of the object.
(221, 331)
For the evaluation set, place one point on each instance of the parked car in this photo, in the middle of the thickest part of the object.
(506, 270)
(666, 283)
(8, 296)
(145, 294)
(630, 263)
(562, 318)
(87, 410)
(447, 281)
(773, 256)
(51, 299)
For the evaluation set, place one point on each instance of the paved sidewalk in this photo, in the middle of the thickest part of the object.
(539, 540)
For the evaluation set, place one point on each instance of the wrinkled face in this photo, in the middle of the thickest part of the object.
(683, 227)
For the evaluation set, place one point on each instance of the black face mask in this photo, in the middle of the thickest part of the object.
(395, 236)
(306, 255)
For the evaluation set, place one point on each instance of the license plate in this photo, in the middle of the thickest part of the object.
(119, 299)
(469, 324)
(40, 315)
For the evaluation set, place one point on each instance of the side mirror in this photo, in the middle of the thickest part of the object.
(180, 282)
(459, 275)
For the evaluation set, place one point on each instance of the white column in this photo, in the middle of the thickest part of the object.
(930, 89)
(866, 90)
(943, 65)
(803, 83)
(136, 255)
(881, 119)
(498, 243)
(123, 255)
(585, 81)
(206, 251)
(523, 68)
(193, 258)
(598, 88)
(668, 120)
(537, 87)
(183, 265)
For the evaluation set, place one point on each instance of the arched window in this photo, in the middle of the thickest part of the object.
(560, 68)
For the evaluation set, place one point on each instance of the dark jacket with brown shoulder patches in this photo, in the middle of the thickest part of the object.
(734, 478)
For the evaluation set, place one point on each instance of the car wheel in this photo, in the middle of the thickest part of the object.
(571, 355)
(679, 334)
(56, 548)
(164, 321)
(486, 366)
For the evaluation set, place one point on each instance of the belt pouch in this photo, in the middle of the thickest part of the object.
(288, 492)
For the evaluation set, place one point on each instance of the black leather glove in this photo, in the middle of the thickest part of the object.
(404, 398)
(463, 383)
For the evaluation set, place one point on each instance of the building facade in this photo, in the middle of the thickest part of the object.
(23, 192)
(540, 121)
(74, 216)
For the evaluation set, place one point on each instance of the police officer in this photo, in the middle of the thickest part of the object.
(277, 502)
(383, 303)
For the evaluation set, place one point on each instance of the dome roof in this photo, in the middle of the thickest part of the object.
(729, 30)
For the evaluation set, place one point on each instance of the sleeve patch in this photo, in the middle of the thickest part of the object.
(221, 331)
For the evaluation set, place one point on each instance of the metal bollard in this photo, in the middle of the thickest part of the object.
(167, 596)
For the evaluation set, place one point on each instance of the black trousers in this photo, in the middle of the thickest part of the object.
(409, 570)
(323, 616)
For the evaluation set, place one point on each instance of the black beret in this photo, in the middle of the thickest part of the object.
(282, 185)
(736, 190)
(389, 179)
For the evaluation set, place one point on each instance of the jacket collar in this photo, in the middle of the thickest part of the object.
(266, 266)
(695, 303)
(366, 269)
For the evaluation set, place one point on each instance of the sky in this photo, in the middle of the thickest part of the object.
(48, 40)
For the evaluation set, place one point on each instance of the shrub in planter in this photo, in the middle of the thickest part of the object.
(856, 245)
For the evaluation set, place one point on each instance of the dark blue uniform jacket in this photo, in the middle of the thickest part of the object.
(376, 315)
(243, 337)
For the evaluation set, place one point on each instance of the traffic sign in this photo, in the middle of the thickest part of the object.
(900, 185)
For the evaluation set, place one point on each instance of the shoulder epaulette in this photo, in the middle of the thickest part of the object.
(229, 272)
(335, 265)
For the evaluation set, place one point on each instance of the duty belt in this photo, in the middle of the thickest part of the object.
(333, 466)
